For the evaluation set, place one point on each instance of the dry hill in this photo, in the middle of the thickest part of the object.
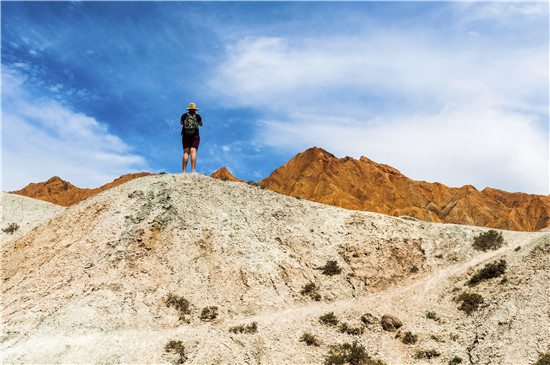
(60, 192)
(366, 185)
(25, 213)
(93, 284)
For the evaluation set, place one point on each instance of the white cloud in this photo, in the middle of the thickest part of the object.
(454, 112)
(473, 146)
(43, 138)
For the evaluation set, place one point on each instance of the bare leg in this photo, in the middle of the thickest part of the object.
(185, 158)
(193, 158)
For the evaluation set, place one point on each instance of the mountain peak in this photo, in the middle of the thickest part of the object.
(224, 174)
(58, 191)
(363, 184)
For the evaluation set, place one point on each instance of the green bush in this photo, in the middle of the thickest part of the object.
(432, 316)
(209, 313)
(177, 348)
(490, 240)
(354, 354)
(310, 339)
(329, 318)
(250, 328)
(312, 290)
(354, 331)
(543, 359)
(409, 338)
(455, 360)
(414, 269)
(181, 304)
(470, 302)
(491, 270)
(11, 228)
(331, 268)
(427, 354)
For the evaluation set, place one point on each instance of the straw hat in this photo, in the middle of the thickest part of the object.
(192, 106)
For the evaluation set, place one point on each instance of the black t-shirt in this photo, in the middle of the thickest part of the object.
(196, 131)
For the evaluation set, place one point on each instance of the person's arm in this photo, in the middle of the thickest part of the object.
(200, 120)
(182, 118)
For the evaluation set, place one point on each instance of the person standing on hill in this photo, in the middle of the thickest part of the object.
(190, 138)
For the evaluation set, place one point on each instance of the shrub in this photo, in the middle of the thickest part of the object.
(11, 228)
(491, 270)
(331, 268)
(490, 240)
(181, 304)
(543, 359)
(177, 348)
(312, 290)
(250, 328)
(436, 338)
(310, 339)
(414, 269)
(453, 337)
(354, 354)
(309, 288)
(162, 173)
(455, 360)
(432, 316)
(354, 331)
(427, 354)
(409, 338)
(329, 318)
(209, 313)
(470, 302)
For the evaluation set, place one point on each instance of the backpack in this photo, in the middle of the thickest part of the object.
(190, 124)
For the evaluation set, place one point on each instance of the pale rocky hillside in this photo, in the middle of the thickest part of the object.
(91, 284)
(26, 213)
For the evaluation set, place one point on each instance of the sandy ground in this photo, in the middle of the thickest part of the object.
(90, 285)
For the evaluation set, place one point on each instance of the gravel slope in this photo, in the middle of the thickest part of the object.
(91, 285)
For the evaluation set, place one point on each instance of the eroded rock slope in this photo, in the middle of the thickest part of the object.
(92, 284)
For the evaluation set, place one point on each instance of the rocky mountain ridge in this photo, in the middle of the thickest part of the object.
(61, 192)
(363, 184)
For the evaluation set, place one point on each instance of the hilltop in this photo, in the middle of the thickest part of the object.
(363, 184)
(224, 174)
(61, 192)
(93, 283)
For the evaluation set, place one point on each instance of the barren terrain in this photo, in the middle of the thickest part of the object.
(92, 284)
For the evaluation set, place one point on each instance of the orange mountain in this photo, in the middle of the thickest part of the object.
(366, 185)
(224, 174)
(63, 193)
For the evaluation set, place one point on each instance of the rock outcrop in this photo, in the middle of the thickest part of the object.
(61, 192)
(366, 185)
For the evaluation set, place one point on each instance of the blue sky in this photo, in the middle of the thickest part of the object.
(443, 91)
